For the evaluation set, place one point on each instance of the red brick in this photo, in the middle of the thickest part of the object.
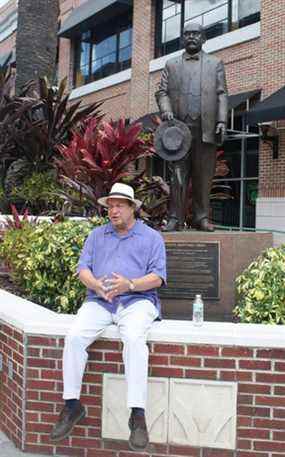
(245, 399)
(39, 406)
(100, 453)
(167, 372)
(107, 345)
(103, 367)
(206, 351)
(40, 385)
(237, 352)
(270, 378)
(50, 396)
(32, 374)
(253, 411)
(201, 374)
(255, 364)
(279, 436)
(97, 355)
(168, 349)
(269, 423)
(254, 433)
(268, 446)
(217, 453)
(236, 376)
(155, 359)
(38, 428)
(70, 452)
(34, 448)
(219, 363)
(251, 454)
(51, 374)
(85, 442)
(280, 413)
(270, 401)
(271, 353)
(279, 390)
(113, 357)
(92, 378)
(41, 341)
(243, 443)
(42, 363)
(185, 361)
(184, 450)
(254, 388)
(52, 353)
(279, 366)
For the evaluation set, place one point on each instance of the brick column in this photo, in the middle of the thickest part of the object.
(143, 51)
(272, 69)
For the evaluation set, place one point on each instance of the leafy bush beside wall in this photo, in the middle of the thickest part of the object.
(261, 289)
(43, 261)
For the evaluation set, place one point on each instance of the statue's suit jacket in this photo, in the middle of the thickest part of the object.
(214, 101)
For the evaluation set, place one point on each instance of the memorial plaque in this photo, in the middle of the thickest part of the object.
(192, 268)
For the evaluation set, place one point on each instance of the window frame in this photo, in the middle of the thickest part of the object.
(127, 25)
(160, 48)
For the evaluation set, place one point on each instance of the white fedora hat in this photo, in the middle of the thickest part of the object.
(120, 190)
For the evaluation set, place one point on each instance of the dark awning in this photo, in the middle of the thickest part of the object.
(271, 108)
(237, 99)
(91, 13)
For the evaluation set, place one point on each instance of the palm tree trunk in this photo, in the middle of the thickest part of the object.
(36, 41)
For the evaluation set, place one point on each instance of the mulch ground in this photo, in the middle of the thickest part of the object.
(7, 284)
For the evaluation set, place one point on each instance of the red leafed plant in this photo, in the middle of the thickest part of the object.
(99, 155)
(18, 221)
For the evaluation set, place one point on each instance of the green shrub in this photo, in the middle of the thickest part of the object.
(261, 289)
(39, 192)
(43, 261)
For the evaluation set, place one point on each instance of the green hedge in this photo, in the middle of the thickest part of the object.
(261, 289)
(43, 260)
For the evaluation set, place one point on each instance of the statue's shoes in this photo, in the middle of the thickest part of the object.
(173, 225)
(204, 225)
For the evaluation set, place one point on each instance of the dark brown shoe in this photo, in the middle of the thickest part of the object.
(204, 225)
(67, 419)
(138, 440)
(173, 225)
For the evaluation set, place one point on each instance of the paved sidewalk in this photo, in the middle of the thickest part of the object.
(7, 449)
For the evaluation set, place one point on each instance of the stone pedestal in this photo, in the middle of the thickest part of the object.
(236, 251)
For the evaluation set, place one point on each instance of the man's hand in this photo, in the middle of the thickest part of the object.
(120, 285)
(221, 130)
(100, 289)
(167, 116)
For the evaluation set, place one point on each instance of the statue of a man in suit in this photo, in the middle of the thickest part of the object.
(193, 90)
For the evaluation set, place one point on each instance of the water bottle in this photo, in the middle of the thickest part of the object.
(198, 311)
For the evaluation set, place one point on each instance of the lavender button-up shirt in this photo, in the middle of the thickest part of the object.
(140, 252)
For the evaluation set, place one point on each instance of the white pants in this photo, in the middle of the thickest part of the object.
(134, 323)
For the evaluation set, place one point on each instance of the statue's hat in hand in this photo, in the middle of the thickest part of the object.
(172, 140)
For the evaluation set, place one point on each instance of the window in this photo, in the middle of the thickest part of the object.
(217, 16)
(103, 51)
(233, 196)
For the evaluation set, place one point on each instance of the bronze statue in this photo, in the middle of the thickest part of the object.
(193, 90)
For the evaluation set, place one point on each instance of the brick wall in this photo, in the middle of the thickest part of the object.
(12, 388)
(259, 373)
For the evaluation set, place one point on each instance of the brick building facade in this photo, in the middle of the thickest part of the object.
(135, 37)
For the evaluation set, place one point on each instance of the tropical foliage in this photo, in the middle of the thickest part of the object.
(43, 259)
(33, 125)
(100, 154)
(261, 289)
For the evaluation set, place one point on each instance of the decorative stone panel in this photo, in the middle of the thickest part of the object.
(115, 414)
(202, 413)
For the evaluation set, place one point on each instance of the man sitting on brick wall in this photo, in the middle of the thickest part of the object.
(121, 264)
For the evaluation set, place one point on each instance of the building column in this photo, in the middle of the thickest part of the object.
(143, 52)
(271, 198)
